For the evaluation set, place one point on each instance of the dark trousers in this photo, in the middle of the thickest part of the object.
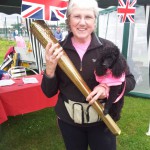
(97, 137)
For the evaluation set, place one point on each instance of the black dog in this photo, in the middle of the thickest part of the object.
(111, 59)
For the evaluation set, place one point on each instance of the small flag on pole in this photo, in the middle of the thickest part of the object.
(126, 10)
(51, 10)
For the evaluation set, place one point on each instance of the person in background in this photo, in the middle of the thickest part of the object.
(15, 33)
(80, 125)
(58, 34)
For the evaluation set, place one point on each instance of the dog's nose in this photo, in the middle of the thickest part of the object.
(108, 63)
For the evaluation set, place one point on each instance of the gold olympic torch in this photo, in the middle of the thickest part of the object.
(44, 35)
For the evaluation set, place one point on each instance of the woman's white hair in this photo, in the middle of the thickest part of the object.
(83, 4)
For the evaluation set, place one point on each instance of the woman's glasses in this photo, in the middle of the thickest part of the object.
(87, 19)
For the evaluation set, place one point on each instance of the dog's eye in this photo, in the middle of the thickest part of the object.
(108, 62)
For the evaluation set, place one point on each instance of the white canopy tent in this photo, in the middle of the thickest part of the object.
(133, 41)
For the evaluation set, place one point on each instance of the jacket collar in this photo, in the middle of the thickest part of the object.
(95, 42)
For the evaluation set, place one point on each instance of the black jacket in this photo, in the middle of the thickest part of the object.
(64, 85)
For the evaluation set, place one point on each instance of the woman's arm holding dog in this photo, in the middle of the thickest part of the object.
(130, 81)
(129, 77)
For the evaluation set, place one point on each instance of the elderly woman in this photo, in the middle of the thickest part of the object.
(80, 125)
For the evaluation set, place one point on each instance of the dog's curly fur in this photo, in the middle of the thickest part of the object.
(111, 58)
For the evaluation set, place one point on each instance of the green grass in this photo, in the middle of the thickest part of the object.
(39, 130)
(134, 124)
(33, 131)
(4, 46)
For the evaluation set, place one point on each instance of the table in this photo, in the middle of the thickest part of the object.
(21, 98)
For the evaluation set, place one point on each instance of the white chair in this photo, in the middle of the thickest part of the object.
(17, 71)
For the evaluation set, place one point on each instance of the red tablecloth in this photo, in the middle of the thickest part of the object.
(21, 98)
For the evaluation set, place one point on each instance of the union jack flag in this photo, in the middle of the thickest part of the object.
(126, 10)
(51, 10)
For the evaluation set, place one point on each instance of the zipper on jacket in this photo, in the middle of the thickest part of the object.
(81, 66)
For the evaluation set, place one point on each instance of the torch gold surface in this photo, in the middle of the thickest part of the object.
(44, 35)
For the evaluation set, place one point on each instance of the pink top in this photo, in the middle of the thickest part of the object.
(80, 48)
